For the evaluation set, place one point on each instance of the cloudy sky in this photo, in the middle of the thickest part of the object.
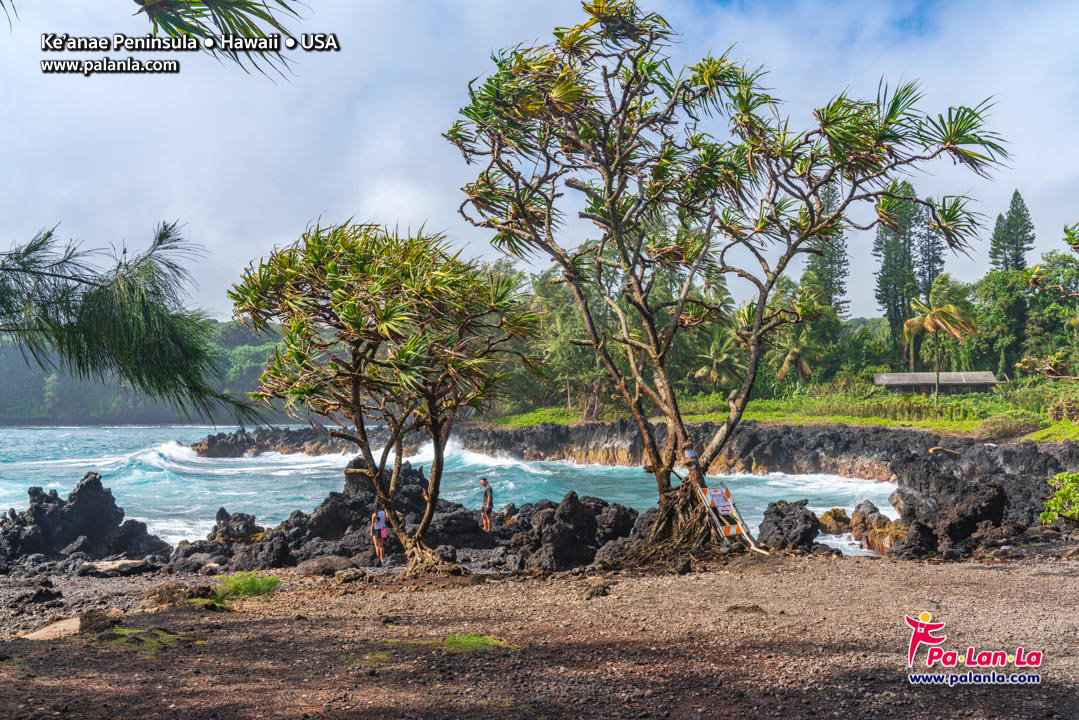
(246, 162)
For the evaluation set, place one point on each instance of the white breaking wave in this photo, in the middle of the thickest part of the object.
(470, 458)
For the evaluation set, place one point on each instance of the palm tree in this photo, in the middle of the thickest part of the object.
(126, 321)
(724, 362)
(948, 310)
(795, 350)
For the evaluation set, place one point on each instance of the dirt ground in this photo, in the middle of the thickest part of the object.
(807, 637)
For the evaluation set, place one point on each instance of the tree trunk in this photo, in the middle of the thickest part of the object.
(439, 437)
(683, 526)
(936, 347)
(422, 560)
(593, 408)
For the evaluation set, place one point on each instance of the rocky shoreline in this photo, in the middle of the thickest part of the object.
(970, 500)
(956, 495)
(86, 535)
(956, 498)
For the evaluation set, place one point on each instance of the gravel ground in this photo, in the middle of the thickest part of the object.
(757, 637)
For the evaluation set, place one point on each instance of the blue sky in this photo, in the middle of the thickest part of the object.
(246, 163)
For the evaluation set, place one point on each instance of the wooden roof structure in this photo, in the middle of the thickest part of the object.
(929, 378)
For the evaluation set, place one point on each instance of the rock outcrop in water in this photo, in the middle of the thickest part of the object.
(544, 535)
(308, 440)
(790, 526)
(66, 535)
(875, 530)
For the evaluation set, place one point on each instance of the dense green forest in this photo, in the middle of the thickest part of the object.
(1005, 323)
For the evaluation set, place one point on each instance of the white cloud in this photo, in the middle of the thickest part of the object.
(247, 163)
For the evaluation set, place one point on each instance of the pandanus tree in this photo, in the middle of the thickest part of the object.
(694, 171)
(121, 317)
(948, 311)
(384, 328)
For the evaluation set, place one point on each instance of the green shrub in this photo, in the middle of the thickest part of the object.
(1010, 425)
(245, 584)
(1064, 500)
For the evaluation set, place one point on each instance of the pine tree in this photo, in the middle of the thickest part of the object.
(1020, 230)
(1013, 237)
(897, 284)
(998, 244)
(828, 264)
(929, 249)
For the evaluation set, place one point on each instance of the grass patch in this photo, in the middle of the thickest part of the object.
(471, 642)
(245, 584)
(560, 416)
(991, 416)
(12, 661)
(146, 642)
(1011, 425)
(781, 417)
(1060, 431)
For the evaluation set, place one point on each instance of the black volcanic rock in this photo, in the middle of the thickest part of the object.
(88, 525)
(789, 526)
(309, 440)
(920, 542)
(543, 535)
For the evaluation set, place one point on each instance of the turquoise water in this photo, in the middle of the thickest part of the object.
(158, 480)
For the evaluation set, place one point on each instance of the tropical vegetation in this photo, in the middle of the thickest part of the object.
(687, 177)
(384, 329)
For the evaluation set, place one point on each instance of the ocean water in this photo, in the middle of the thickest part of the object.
(155, 478)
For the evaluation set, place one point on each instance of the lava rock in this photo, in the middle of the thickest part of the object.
(235, 528)
(325, 566)
(920, 542)
(834, 522)
(874, 530)
(613, 522)
(613, 552)
(309, 440)
(272, 552)
(789, 526)
(983, 503)
(88, 524)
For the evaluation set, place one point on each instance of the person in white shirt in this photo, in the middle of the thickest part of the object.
(378, 529)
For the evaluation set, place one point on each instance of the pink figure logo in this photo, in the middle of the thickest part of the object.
(922, 633)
